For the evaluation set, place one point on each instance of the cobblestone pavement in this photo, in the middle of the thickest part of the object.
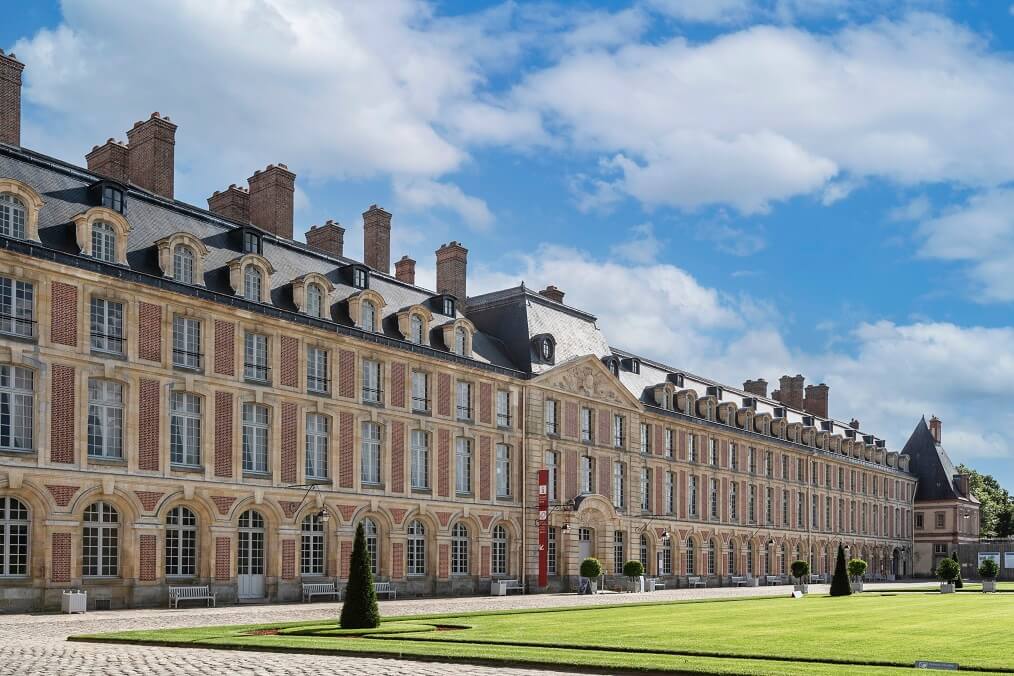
(35, 644)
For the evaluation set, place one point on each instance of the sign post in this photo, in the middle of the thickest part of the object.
(543, 505)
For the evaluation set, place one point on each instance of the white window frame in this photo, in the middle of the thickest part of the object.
(100, 541)
(463, 466)
(17, 308)
(317, 379)
(256, 436)
(105, 419)
(372, 392)
(15, 537)
(459, 549)
(183, 264)
(415, 550)
(181, 543)
(312, 546)
(255, 357)
(103, 242)
(106, 322)
(185, 423)
(419, 474)
(503, 471)
(317, 445)
(370, 461)
(13, 216)
(187, 342)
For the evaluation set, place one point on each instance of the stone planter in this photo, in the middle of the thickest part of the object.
(803, 588)
(593, 585)
(988, 586)
(637, 584)
(857, 587)
(946, 588)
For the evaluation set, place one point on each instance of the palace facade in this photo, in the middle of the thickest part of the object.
(190, 396)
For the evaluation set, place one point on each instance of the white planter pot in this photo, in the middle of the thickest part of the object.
(857, 587)
(988, 586)
(753, 582)
(594, 585)
(75, 602)
(804, 588)
(946, 588)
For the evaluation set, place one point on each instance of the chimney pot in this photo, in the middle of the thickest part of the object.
(328, 238)
(936, 425)
(452, 269)
(10, 99)
(552, 293)
(377, 238)
(232, 203)
(271, 200)
(404, 270)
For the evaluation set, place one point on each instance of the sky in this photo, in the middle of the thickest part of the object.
(737, 188)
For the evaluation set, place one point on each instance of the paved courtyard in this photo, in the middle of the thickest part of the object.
(36, 644)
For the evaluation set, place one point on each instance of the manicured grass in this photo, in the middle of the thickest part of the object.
(862, 634)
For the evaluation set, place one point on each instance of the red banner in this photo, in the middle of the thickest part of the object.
(543, 527)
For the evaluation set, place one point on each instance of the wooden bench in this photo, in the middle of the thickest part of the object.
(696, 582)
(311, 589)
(739, 581)
(772, 580)
(386, 589)
(177, 594)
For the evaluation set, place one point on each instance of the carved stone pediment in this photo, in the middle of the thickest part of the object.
(587, 377)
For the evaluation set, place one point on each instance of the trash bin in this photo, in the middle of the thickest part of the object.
(75, 601)
(498, 588)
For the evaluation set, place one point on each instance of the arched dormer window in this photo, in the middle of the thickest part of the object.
(613, 364)
(368, 316)
(19, 210)
(314, 300)
(183, 264)
(253, 283)
(310, 294)
(102, 234)
(545, 348)
(366, 310)
(458, 337)
(250, 277)
(181, 258)
(416, 328)
(413, 324)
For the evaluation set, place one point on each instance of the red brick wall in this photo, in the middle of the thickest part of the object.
(569, 474)
(63, 314)
(62, 495)
(605, 432)
(346, 373)
(149, 331)
(486, 403)
(683, 495)
(683, 445)
(146, 566)
(605, 474)
(345, 450)
(484, 467)
(398, 457)
(148, 499)
(659, 440)
(60, 568)
(659, 490)
(346, 558)
(570, 419)
(444, 561)
(397, 560)
(398, 384)
(290, 428)
(223, 558)
(62, 402)
(288, 559)
(443, 463)
(288, 362)
(724, 498)
(223, 434)
(484, 562)
(223, 502)
(443, 394)
(225, 348)
(148, 425)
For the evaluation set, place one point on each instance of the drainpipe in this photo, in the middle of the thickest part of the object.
(524, 485)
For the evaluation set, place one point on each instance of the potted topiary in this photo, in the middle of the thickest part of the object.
(948, 570)
(857, 568)
(591, 569)
(359, 611)
(840, 581)
(800, 570)
(988, 570)
(958, 582)
(634, 570)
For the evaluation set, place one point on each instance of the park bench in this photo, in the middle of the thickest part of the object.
(202, 593)
(696, 582)
(658, 584)
(739, 581)
(511, 585)
(386, 589)
(311, 589)
(772, 580)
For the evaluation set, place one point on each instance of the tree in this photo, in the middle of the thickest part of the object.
(360, 608)
(988, 569)
(840, 582)
(800, 569)
(591, 568)
(633, 569)
(857, 568)
(958, 583)
(996, 508)
(948, 570)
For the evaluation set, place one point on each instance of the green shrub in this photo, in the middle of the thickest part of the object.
(948, 570)
(989, 569)
(800, 569)
(633, 569)
(360, 608)
(857, 568)
(958, 582)
(591, 568)
(840, 582)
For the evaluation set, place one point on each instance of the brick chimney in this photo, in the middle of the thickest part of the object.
(790, 391)
(328, 238)
(271, 195)
(152, 151)
(758, 388)
(854, 424)
(961, 484)
(404, 270)
(111, 159)
(452, 266)
(232, 203)
(935, 425)
(552, 293)
(10, 99)
(816, 400)
(377, 238)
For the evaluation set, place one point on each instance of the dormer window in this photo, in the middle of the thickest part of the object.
(635, 365)
(104, 242)
(183, 264)
(251, 242)
(314, 300)
(13, 216)
(460, 340)
(359, 278)
(613, 364)
(448, 306)
(252, 283)
(369, 316)
(112, 198)
(458, 337)
(545, 348)
(415, 332)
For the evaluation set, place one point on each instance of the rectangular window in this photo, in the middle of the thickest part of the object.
(618, 436)
(550, 410)
(587, 475)
(371, 454)
(713, 451)
(503, 471)
(815, 513)
(17, 407)
(733, 457)
(692, 447)
(464, 401)
(316, 370)
(552, 466)
(371, 381)
(186, 342)
(692, 498)
(918, 521)
(769, 506)
(185, 429)
(769, 464)
(311, 548)
(668, 442)
(751, 457)
(105, 420)
(255, 438)
(645, 438)
(733, 501)
(255, 357)
(670, 492)
(463, 465)
(551, 552)
(503, 408)
(316, 446)
(619, 485)
(420, 391)
(713, 499)
(940, 517)
(618, 553)
(785, 467)
(785, 508)
(420, 460)
(841, 478)
(645, 489)
(800, 510)
(751, 504)
(828, 513)
(17, 308)
(827, 475)
(586, 424)
(106, 326)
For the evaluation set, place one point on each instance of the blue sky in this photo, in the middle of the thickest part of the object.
(741, 188)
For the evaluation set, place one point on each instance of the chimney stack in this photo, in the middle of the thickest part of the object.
(232, 203)
(377, 239)
(854, 424)
(552, 293)
(404, 270)
(961, 484)
(758, 388)
(271, 195)
(328, 238)
(935, 426)
(816, 400)
(10, 99)
(452, 265)
(111, 159)
(151, 145)
(790, 391)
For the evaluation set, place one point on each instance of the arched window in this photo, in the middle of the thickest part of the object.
(712, 557)
(180, 543)
(105, 419)
(250, 549)
(369, 316)
(183, 264)
(311, 546)
(416, 555)
(665, 567)
(691, 557)
(12, 216)
(14, 525)
(252, 282)
(460, 340)
(459, 549)
(314, 300)
(372, 545)
(499, 550)
(104, 242)
(415, 325)
(100, 541)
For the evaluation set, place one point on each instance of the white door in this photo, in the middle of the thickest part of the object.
(584, 543)
(250, 558)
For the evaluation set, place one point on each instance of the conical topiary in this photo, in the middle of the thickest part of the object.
(958, 584)
(840, 583)
(360, 608)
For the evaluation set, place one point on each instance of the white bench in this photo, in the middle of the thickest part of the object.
(386, 589)
(772, 580)
(696, 582)
(311, 589)
(739, 581)
(511, 585)
(177, 594)
(656, 584)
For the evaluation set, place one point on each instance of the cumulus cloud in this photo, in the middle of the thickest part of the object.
(424, 195)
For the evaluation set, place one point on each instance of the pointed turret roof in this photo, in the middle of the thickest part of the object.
(931, 464)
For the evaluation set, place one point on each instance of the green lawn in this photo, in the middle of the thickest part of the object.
(862, 634)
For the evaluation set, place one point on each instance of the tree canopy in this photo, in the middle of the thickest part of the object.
(996, 511)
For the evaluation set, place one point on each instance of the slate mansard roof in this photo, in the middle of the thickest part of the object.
(933, 467)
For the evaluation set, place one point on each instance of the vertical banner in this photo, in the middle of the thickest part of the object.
(543, 527)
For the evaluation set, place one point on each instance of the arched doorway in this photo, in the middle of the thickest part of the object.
(250, 555)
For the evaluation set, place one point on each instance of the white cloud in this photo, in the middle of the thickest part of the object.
(731, 240)
(643, 247)
(424, 195)
(706, 11)
(916, 209)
